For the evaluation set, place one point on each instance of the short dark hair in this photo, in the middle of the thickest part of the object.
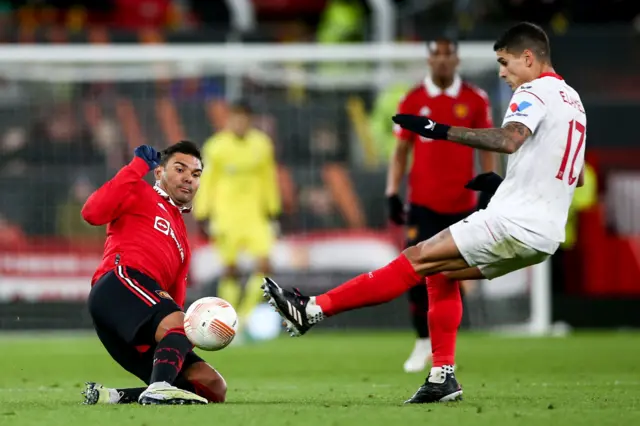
(241, 106)
(431, 44)
(525, 35)
(182, 147)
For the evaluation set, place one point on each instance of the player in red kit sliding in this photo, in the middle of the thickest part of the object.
(138, 291)
(543, 133)
(436, 188)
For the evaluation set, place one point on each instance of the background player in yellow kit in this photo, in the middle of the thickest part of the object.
(239, 202)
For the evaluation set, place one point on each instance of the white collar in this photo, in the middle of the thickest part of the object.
(163, 194)
(452, 91)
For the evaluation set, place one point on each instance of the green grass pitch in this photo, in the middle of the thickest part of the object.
(341, 379)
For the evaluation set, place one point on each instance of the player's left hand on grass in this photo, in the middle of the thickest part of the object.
(486, 182)
(423, 126)
(148, 154)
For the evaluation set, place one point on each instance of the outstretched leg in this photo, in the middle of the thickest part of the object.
(429, 257)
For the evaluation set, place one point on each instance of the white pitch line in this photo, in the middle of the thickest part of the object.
(40, 389)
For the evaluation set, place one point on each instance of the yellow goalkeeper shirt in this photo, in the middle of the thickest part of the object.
(239, 182)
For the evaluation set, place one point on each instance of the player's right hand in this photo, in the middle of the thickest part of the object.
(396, 209)
(148, 154)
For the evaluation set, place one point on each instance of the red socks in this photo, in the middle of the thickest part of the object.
(372, 288)
(445, 315)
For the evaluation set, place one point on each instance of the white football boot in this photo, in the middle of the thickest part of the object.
(162, 393)
(95, 393)
(420, 356)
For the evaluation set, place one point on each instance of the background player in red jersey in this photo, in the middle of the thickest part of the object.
(436, 188)
(138, 291)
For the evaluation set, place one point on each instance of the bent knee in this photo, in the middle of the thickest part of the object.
(208, 382)
(214, 389)
(172, 321)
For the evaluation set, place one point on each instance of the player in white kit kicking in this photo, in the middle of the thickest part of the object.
(544, 132)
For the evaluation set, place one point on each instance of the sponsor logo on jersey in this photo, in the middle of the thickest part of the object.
(425, 111)
(514, 107)
(161, 224)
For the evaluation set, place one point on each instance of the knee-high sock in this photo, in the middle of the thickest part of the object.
(445, 314)
(372, 288)
(169, 356)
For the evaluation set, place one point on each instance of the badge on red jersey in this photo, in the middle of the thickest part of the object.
(164, 294)
(461, 110)
(412, 232)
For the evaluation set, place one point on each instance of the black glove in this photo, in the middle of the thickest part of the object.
(483, 200)
(485, 182)
(396, 210)
(148, 154)
(423, 126)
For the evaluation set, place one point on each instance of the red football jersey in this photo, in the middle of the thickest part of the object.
(440, 169)
(145, 229)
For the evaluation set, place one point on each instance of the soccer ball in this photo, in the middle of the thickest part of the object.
(211, 323)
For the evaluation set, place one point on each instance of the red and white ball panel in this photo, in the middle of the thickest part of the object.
(211, 323)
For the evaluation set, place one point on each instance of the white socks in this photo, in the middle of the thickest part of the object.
(439, 374)
(314, 311)
(114, 396)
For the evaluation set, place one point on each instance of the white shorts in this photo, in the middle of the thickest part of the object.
(484, 240)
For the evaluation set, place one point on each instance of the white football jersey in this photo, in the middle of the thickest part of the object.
(542, 175)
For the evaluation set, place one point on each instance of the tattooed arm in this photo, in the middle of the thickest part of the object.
(507, 139)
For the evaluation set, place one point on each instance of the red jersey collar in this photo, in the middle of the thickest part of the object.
(164, 195)
(551, 74)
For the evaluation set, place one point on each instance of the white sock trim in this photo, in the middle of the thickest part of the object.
(314, 311)
(114, 396)
(439, 374)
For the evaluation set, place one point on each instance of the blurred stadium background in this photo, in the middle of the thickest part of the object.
(83, 83)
